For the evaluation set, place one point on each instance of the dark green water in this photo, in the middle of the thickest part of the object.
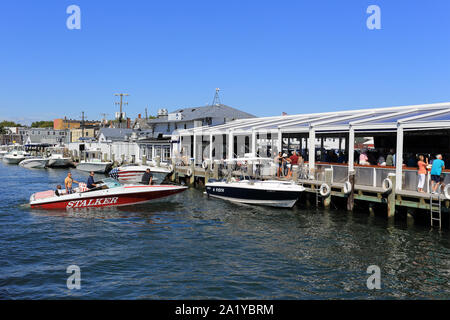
(192, 247)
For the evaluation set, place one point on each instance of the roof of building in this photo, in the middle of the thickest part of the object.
(115, 134)
(216, 111)
(426, 116)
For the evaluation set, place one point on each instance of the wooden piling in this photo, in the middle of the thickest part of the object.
(192, 177)
(328, 180)
(351, 196)
(391, 197)
(216, 170)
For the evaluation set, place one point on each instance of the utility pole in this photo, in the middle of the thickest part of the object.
(146, 114)
(121, 103)
(82, 124)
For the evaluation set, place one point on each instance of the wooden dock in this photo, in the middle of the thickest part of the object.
(376, 198)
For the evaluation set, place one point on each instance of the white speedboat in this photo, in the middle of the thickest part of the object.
(34, 163)
(57, 159)
(272, 193)
(95, 165)
(132, 173)
(14, 157)
(108, 192)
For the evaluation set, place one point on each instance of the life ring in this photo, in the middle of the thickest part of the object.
(387, 185)
(347, 187)
(325, 190)
(447, 191)
(189, 172)
(205, 164)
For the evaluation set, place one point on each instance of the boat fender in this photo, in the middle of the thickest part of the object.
(325, 190)
(387, 185)
(170, 167)
(189, 172)
(347, 187)
(205, 164)
(447, 191)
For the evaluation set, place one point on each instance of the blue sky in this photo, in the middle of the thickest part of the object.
(266, 56)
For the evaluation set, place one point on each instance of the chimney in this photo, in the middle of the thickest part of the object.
(128, 123)
(139, 115)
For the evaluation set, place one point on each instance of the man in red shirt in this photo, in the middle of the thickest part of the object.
(293, 161)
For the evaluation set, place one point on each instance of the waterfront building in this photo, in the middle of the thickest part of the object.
(44, 136)
(64, 124)
(89, 133)
(404, 131)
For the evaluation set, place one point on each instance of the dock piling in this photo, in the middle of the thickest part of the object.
(391, 196)
(328, 181)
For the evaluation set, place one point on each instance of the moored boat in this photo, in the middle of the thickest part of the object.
(272, 193)
(108, 192)
(34, 163)
(132, 173)
(95, 165)
(58, 159)
(15, 156)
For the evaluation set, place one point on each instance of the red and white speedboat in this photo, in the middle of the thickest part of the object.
(108, 192)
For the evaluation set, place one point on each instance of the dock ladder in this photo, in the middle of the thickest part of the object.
(435, 210)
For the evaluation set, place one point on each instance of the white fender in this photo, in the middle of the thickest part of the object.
(325, 190)
(347, 187)
(447, 191)
(205, 164)
(387, 185)
(170, 167)
(189, 172)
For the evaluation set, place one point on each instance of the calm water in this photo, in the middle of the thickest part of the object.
(192, 247)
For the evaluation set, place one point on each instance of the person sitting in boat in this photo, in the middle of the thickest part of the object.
(147, 177)
(90, 182)
(58, 190)
(68, 183)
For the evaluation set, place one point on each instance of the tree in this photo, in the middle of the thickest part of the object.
(42, 124)
(5, 124)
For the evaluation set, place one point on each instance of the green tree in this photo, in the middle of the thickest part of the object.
(42, 124)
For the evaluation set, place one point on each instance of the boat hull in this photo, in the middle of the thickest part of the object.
(33, 163)
(59, 163)
(97, 167)
(12, 160)
(97, 199)
(254, 195)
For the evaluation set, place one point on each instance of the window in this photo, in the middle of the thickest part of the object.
(166, 153)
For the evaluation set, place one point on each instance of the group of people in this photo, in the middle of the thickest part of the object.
(147, 179)
(285, 163)
(436, 172)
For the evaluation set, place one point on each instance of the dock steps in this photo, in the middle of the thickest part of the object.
(436, 210)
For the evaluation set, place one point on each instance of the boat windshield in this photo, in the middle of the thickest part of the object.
(111, 183)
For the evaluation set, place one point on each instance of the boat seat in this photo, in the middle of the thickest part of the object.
(44, 194)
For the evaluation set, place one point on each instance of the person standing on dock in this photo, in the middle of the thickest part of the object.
(68, 183)
(436, 170)
(292, 161)
(279, 162)
(422, 172)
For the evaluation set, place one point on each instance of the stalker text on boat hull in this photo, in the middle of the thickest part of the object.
(266, 193)
(110, 193)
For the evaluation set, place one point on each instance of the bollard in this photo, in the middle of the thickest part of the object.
(192, 177)
(328, 180)
(391, 197)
